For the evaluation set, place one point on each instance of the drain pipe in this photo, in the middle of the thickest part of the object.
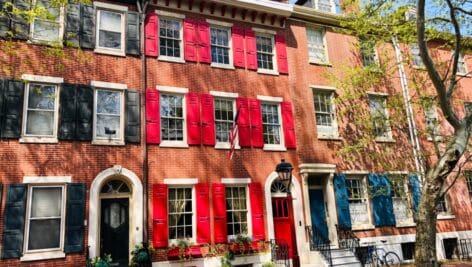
(409, 110)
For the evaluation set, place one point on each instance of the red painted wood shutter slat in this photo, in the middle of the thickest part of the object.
(289, 125)
(257, 209)
(251, 49)
(208, 120)
(159, 216)
(190, 39)
(203, 213)
(219, 213)
(193, 118)
(204, 55)
(151, 26)
(237, 36)
(153, 120)
(257, 136)
(281, 50)
(244, 125)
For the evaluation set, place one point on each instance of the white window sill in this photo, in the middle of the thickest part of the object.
(112, 52)
(107, 142)
(446, 216)
(171, 59)
(363, 227)
(222, 66)
(39, 139)
(225, 146)
(385, 140)
(34, 256)
(274, 148)
(178, 144)
(330, 137)
(436, 139)
(419, 67)
(464, 74)
(52, 43)
(405, 224)
(268, 72)
(320, 63)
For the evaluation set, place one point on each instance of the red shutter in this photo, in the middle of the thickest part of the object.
(150, 31)
(193, 118)
(244, 126)
(257, 135)
(219, 212)
(202, 191)
(153, 131)
(257, 209)
(281, 50)
(159, 216)
(288, 124)
(237, 36)
(208, 120)
(251, 52)
(190, 39)
(204, 55)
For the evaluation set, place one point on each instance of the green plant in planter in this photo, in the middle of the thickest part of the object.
(227, 258)
(268, 264)
(183, 246)
(243, 241)
(141, 254)
(99, 262)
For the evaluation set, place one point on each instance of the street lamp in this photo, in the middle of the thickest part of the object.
(284, 171)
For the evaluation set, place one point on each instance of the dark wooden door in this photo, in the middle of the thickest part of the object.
(282, 212)
(114, 230)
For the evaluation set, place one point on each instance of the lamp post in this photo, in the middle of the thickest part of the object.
(284, 171)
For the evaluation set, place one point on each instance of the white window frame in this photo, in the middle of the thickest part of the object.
(366, 199)
(184, 183)
(169, 90)
(232, 97)
(325, 45)
(270, 100)
(332, 3)
(376, 62)
(100, 6)
(435, 134)
(407, 198)
(176, 17)
(334, 123)
(447, 214)
(52, 253)
(248, 208)
(61, 28)
(267, 34)
(415, 57)
(227, 27)
(115, 87)
(461, 62)
(384, 97)
(45, 80)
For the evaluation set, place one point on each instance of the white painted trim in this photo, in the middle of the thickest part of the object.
(397, 172)
(42, 256)
(172, 89)
(260, 30)
(60, 35)
(255, 260)
(360, 172)
(311, 60)
(180, 181)
(109, 85)
(179, 19)
(100, 140)
(171, 59)
(219, 23)
(110, 6)
(224, 94)
(170, 14)
(175, 144)
(267, 71)
(39, 140)
(113, 52)
(46, 179)
(42, 79)
(136, 211)
(322, 87)
(377, 93)
(235, 180)
(272, 147)
(276, 99)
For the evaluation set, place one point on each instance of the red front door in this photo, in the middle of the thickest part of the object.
(284, 229)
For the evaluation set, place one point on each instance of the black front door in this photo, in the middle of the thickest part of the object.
(114, 230)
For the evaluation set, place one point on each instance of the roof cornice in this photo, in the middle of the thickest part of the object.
(312, 15)
(272, 7)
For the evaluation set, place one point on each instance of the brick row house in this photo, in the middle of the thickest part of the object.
(111, 138)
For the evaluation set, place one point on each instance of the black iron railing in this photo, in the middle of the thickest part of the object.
(319, 243)
(348, 240)
(279, 252)
(465, 249)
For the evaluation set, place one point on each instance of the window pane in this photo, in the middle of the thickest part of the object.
(40, 123)
(41, 97)
(44, 234)
(45, 30)
(110, 39)
(46, 202)
(270, 124)
(108, 102)
(108, 126)
(110, 21)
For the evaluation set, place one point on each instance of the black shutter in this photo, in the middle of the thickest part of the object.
(14, 221)
(4, 20)
(133, 118)
(84, 113)
(132, 33)
(13, 109)
(73, 25)
(19, 24)
(68, 112)
(75, 216)
(87, 25)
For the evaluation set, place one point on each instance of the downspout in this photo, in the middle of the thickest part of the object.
(409, 110)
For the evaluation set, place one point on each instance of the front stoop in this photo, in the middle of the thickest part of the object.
(344, 258)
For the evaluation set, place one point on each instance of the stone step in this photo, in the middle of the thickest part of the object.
(344, 260)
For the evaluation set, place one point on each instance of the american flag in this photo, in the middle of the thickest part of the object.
(233, 134)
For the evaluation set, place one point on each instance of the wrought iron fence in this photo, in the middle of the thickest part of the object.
(465, 249)
(319, 243)
(279, 252)
(348, 240)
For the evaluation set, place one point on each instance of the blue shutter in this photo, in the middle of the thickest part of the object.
(381, 196)
(75, 216)
(342, 201)
(14, 221)
(415, 189)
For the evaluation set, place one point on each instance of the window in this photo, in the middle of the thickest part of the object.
(180, 213)
(461, 65)
(265, 52)
(45, 218)
(431, 120)
(109, 119)
(368, 52)
(220, 46)
(415, 54)
(325, 113)
(172, 117)
(170, 38)
(378, 112)
(316, 45)
(401, 203)
(323, 5)
(47, 27)
(224, 118)
(408, 251)
(443, 206)
(236, 210)
(358, 201)
(271, 125)
(110, 31)
(468, 180)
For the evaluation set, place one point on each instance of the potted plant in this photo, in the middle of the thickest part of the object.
(99, 262)
(180, 250)
(141, 255)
